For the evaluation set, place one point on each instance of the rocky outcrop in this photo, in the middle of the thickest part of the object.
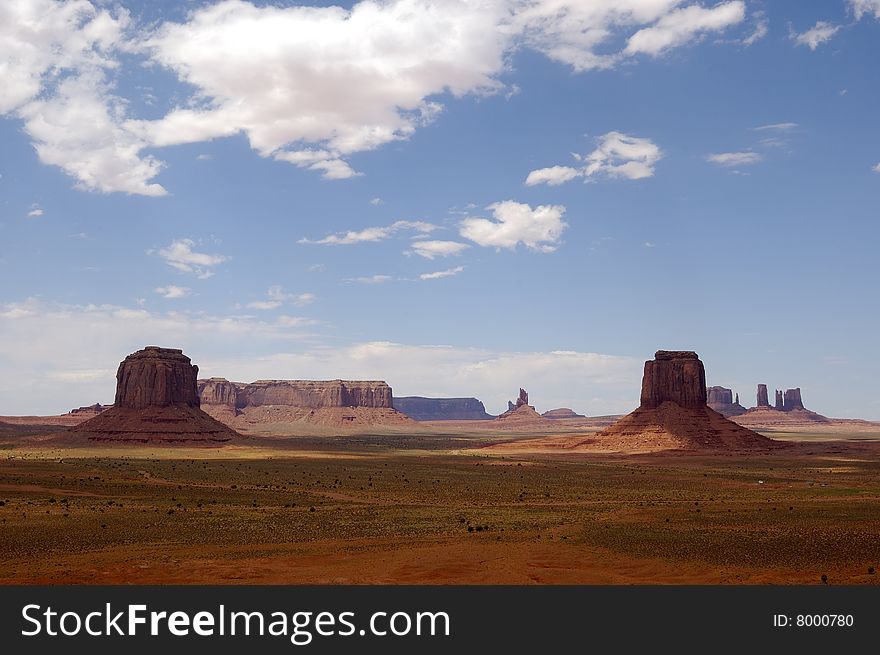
(156, 402)
(245, 405)
(156, 377)
(674, 376)
(89, 410)
(719, 396)
(673, 411)
(521, 411)
(780, 403)
(562, 413)
(792, 400)
(763, 399)
(441, 409)
(721, 399)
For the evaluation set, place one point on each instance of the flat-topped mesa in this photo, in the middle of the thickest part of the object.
(792, 400)
(674, 376)
(156, 377)
(674, 413)
(720, 396)
(780, 402)
(441, 409)
(763, 398)
(332, 403)
(312, 394)
(157, 401)
(722, 400)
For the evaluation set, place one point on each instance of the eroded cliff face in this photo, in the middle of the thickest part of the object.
(674, 376)
(156, 377)
(723, 401)
(309, 394)
(441, 409)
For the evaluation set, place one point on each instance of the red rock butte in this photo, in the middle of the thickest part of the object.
(673, 412)
(157, 401)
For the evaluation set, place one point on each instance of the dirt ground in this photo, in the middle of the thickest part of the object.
(438, 508)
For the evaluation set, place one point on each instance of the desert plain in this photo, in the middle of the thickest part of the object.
(446, 502)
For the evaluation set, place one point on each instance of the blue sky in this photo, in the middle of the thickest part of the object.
(460, 198)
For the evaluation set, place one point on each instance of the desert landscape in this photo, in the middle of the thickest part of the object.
(184, 480)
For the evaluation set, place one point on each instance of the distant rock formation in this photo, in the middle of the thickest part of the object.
(521, 411)
(561, 413)
(441, 409)
(792, 400)
(722, 401)
(780, 403)
(156, 402)
(89, 410)
(673, 410)
(293, 401)
(763, 399)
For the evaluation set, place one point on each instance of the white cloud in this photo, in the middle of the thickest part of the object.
(617, 155)
(554, 175)
(776, 127)
(264, 304)
(376, 202)
(864, 8)
(277, 296)
(180, 255)
(876, 168)
(372, 234)
(683, 25)
(172, 291)
(514, 223)
(762, 27)
(583, 33)
(337, 81)
(821, 32)
(308, 85)
(54, 58)
(371, 279)
(735, 158)
(35, 212)
(432, 249)
(436, 275)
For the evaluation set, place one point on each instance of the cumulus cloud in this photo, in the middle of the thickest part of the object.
(172, 291)
(865, 8)
(180, 255)
(55, 57)
(276, 296)
(514, 223)
(821, 32)
(432, 249)
(371, 234)
(436, 275)
(583, 34)
(683, 25)
(337, 81)
(731, 159)
(616, 155)
(309, 85)
(35, 212)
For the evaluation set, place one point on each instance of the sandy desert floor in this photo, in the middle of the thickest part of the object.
(448, 507)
